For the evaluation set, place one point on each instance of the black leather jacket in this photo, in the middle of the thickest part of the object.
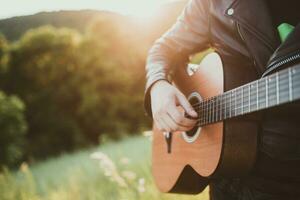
(239, 30)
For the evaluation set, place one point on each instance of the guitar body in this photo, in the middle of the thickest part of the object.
(184, 162)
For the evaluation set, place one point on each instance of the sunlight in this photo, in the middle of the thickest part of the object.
(138, 8)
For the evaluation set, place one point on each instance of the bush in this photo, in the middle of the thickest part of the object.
(12, 129)
(76, 87)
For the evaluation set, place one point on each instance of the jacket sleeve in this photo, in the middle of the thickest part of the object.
(189, 34)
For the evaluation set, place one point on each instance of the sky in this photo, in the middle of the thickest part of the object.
(139, 8)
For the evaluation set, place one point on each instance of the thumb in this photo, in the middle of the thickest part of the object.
(186, 105)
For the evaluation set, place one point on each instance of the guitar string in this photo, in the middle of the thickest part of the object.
(233, 93)
(239, 102)
(239, 98)
(255, 84)
(219, 114)
(249, 84)
(208, 108)
(284, 73)
(209, 115)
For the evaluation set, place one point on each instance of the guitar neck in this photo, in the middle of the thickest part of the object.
(276, 89)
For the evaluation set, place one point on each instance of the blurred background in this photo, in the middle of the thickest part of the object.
(72, 122)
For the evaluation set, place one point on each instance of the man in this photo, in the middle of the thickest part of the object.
(244, 34)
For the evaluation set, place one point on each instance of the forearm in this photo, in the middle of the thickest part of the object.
(189, 34)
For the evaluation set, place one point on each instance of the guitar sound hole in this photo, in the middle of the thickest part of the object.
(194, 101)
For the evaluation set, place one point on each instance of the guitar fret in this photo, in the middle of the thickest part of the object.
(221, 108)
(234, 103)
(277, 88)
(213, 112)
(252, 96)
(217, 108)
(272, 90)
(205, 112)
(246, 99)
(261, 94)
(290, 85)
(242, 101)
(296, 83)
(249, 87)
(267, 91)
(225, 106)
(230, 104)
(210, 112)
(256, 94)
(283, 77)
(239, 105)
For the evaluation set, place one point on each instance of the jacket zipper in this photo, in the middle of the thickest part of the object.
(282, 61)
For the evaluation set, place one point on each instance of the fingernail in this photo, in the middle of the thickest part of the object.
(193, 113)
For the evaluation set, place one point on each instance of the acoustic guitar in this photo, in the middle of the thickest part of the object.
(222, 143)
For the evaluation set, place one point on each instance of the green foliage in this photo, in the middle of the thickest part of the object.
(76, 176)
(3, 53)
(113, 95)
(42, 72)
(12, 129)
(77, 87)
(3, 45)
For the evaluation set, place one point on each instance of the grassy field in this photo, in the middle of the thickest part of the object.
(114, 171)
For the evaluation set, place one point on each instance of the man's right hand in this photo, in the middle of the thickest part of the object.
(169, 106)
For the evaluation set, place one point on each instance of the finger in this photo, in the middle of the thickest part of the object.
(170, 122)
(186, 105)
(179, 118)
(180, 127)
(172, 126)
(164, 124)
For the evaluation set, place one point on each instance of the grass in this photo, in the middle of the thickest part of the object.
(120, 172)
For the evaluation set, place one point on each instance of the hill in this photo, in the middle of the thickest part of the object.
(14, 27)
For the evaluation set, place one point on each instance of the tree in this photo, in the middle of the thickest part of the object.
(12, 129)
(42, 71)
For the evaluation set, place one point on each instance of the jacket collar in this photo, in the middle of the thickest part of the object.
(254, 15)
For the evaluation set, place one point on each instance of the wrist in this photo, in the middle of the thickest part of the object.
(158, 84)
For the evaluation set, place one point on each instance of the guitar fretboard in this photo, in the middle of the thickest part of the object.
(279, 88)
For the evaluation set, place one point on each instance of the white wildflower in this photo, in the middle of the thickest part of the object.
(109, 168)
(129, 175)
(141, 185)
